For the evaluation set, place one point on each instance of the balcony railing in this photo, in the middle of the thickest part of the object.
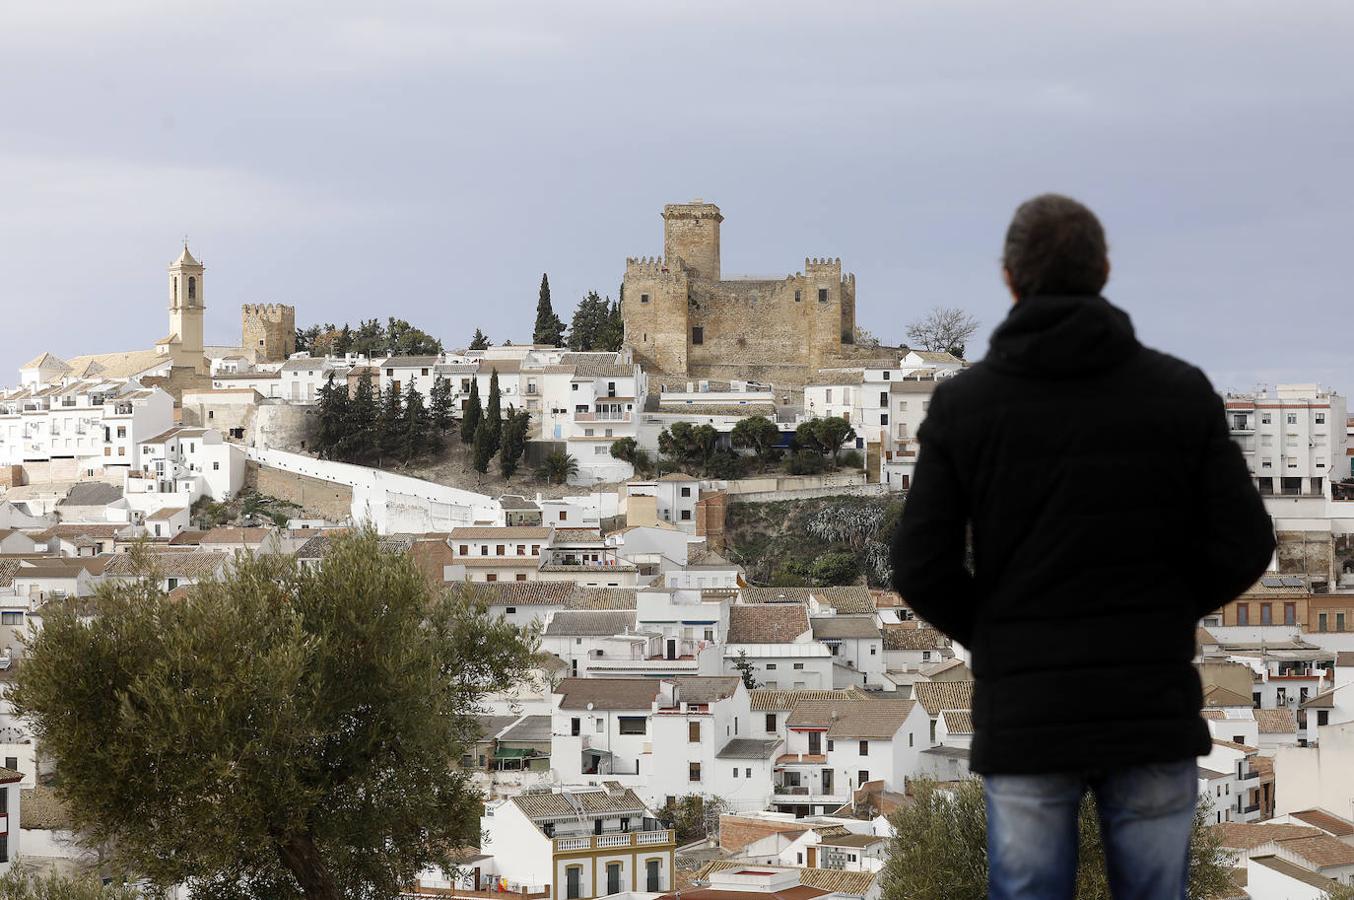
(602, 417)
(613, 840)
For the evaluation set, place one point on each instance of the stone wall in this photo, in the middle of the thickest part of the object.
(268, 330)
(712, 511)
(283, 426)
(316, 497)
(1307, 553)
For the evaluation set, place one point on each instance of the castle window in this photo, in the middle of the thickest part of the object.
(822, 295)
(176, 290)
(643, 298)
(697, 334)
(192, 287)
(798, 295)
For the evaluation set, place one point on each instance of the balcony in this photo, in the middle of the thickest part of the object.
(614, 840)
(603, 417)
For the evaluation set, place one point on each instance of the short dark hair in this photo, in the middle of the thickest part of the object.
(1056, 246)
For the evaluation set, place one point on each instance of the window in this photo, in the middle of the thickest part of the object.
(798, 295)
(1292, 418)
(883, 418)
(521, 576)
(1321, 418)
(1322, 716)
(693, 772)
(423, 372)
(491, 577)
(910, 736)
(1321, 622)
(770, 667)
(747, 773)
(686, 515)
(11, 618)
(770, 721)
(632, 724)
(1290, 617)
(798, 666)
(1243, 614)
(933, 731)
(643, 298)
(831, 743)
(735, 771)
(211, 414)
(686, 492)
(1265, 419)
(216, 467)
(521, 549)
(697, 334)
(465, 550)
(693, 732)
(498, 549)
(1266, 613)
(192, 287)
(1339, 621)
(864, 748)
(822, 295)
(862, 776)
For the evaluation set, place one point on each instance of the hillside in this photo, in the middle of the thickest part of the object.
(823, 540)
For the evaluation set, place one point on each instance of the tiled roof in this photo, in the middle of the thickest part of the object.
(505, 533)
(958, 721)
(904, 636)
(166, 513)
(601, 598)
(40, 808)
(839, 881)
(597, 365)
(410, 362)
(1297, 873)
(529, 729)
(523, 593)
(608, 693)
(236, 535)
(748, 748)
(935, 696)
(1233, 745)
(705, 688)
(1249, 835)
(845, 599)
(193, 564)
(1321, 850)
(556, 804)
(767, 623)
(590, 622)
(576, 535)
(863, 719)
(1276, 721)
(1215, 695)
(91, 493)
(844, 627)
(1327, 822)
(773, 700)
(851, 839)
(1204, 636)
(100, 530)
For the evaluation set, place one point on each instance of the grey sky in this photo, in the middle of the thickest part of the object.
(430, 159)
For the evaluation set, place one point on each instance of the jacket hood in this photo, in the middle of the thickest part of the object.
(1062, 337)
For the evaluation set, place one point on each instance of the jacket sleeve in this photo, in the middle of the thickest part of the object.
(1237, 534)
(929, 544)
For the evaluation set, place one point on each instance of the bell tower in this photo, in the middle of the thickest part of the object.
(186, 307)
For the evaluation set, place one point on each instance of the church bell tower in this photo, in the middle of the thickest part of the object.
(186, 307)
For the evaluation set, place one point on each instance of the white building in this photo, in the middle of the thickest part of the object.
(676, 494)
(182, 464)
(92, 427)
(1293, 438)
(776, 641)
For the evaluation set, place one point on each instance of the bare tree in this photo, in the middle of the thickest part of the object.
(944, 328)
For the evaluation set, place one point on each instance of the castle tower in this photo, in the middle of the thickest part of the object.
(268, 330)
(186, 306)
(691, 234)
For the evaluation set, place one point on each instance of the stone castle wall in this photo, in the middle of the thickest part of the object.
(269, 330)
(776, 330)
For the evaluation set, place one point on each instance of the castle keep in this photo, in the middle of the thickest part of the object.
(682, 318)
(269, 330)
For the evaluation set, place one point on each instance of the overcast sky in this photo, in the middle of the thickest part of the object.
(430, 159)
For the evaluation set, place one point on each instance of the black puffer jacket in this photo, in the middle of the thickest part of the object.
(1109, 512)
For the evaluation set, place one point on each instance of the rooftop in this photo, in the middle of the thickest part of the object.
(767, 624)
(608, 693)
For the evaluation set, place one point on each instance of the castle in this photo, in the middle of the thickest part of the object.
(683, 319)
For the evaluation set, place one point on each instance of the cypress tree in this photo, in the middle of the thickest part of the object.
(483, 449)
(389, 434)
(549, 328)
(470, 419)
(416, 430)
(333, 417)
(480, 341)
(493, 415)
(439, 399)
(514, 441)
(364, 412)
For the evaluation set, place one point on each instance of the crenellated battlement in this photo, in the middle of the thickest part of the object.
(652, 265)
(274, 312)
(819, 264)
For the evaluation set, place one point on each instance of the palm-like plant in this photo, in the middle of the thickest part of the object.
(557, 467)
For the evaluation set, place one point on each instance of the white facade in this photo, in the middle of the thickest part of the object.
(182, 464)
(96, 425)
(1293, 438)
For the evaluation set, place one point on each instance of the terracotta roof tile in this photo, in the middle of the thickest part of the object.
(767, 623)
(935, 696)
(608, 693)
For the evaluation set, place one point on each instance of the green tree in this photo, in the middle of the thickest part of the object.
(343, 340)
(482, 448)
(692, 816)
(284, 731)
(19, 883)
(404, 339)
(687, 444)
(493, 414)
(833, 431)
(808, 438)
(471, 415)
(758, 434)
(361, 442)
(480, 341)
(390, 434)
(549, 328)
(835, 567)
(333, 416)
(746, 670)
(590, 324)
(624, 449)
(939, 849)
(514, 441)
(612, 334)
(439, 405)
(305, 339)
(417, 431)
(557, 467)
(369, 338)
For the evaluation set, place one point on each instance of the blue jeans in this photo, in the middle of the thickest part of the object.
(1146, 816)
